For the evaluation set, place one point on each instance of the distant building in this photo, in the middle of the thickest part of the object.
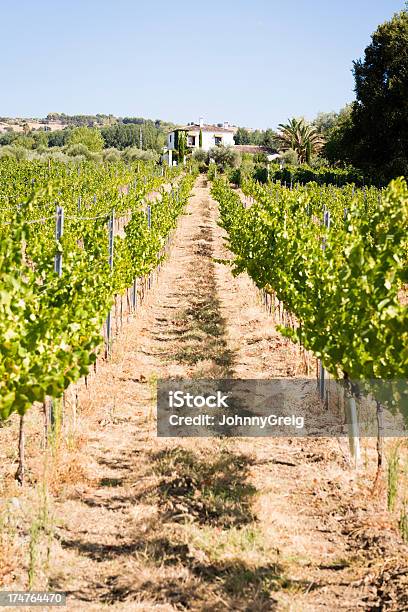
(212, 136)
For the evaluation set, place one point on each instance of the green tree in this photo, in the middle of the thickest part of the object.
(90, 137)
(269, 139)
(78, 149)
(325, 122)
(8, 138)
(260, 138)
(338, 136)
(40, 139)
(379, 135)
(121, 136)
(182, 145)
(242, 137)
(150, 135)
(300, 136)
(59, 138)
(200, 139)
(127, 134)
(257, 137)
(23, 140)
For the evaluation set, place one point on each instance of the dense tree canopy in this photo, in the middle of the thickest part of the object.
(59, 138)
(261, 138)
(325, 122)
(372, 132)
(90, 137)
(82, 120)
(131, 134)
(242, 137)
(7, 138)
(380, 113)
(337, 135)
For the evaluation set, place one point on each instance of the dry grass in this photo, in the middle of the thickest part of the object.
(9, 554)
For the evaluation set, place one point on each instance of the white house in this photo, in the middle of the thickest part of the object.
(212, 136)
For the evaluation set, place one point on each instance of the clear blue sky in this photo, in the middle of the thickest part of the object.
(252, 62)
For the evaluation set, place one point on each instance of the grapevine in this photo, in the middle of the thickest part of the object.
(51, 325)
(345, 295)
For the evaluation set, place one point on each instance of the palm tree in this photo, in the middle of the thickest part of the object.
(301, 137)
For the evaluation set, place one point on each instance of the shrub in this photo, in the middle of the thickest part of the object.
(225, 157)
(200, 156)
(58, 155)
(245, 170)
(95, 157)
(212, 171)
(54, 149)
(318, 162)
(304, 174)
(22, 140)
(261, 174)
(135, 154)
(17, 152)
(290, 157)
(74, 150)
(41, 149)
(111, 155)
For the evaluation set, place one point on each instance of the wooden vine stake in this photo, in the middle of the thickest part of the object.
(21, 459)
(45, 419)
(19, 475)
(134, 295)
(353, 431)
(380, 441)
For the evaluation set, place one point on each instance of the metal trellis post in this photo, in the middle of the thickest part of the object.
(149, 225)
(109, 317)
(326, 221)
(59, 230)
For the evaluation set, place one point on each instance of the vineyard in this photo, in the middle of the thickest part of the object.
(337, 259)
(115, 275)
(63, 265)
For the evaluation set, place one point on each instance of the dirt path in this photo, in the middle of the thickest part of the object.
(197, 524)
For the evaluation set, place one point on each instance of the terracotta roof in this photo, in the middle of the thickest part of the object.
(253, 149)
(204, 128)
